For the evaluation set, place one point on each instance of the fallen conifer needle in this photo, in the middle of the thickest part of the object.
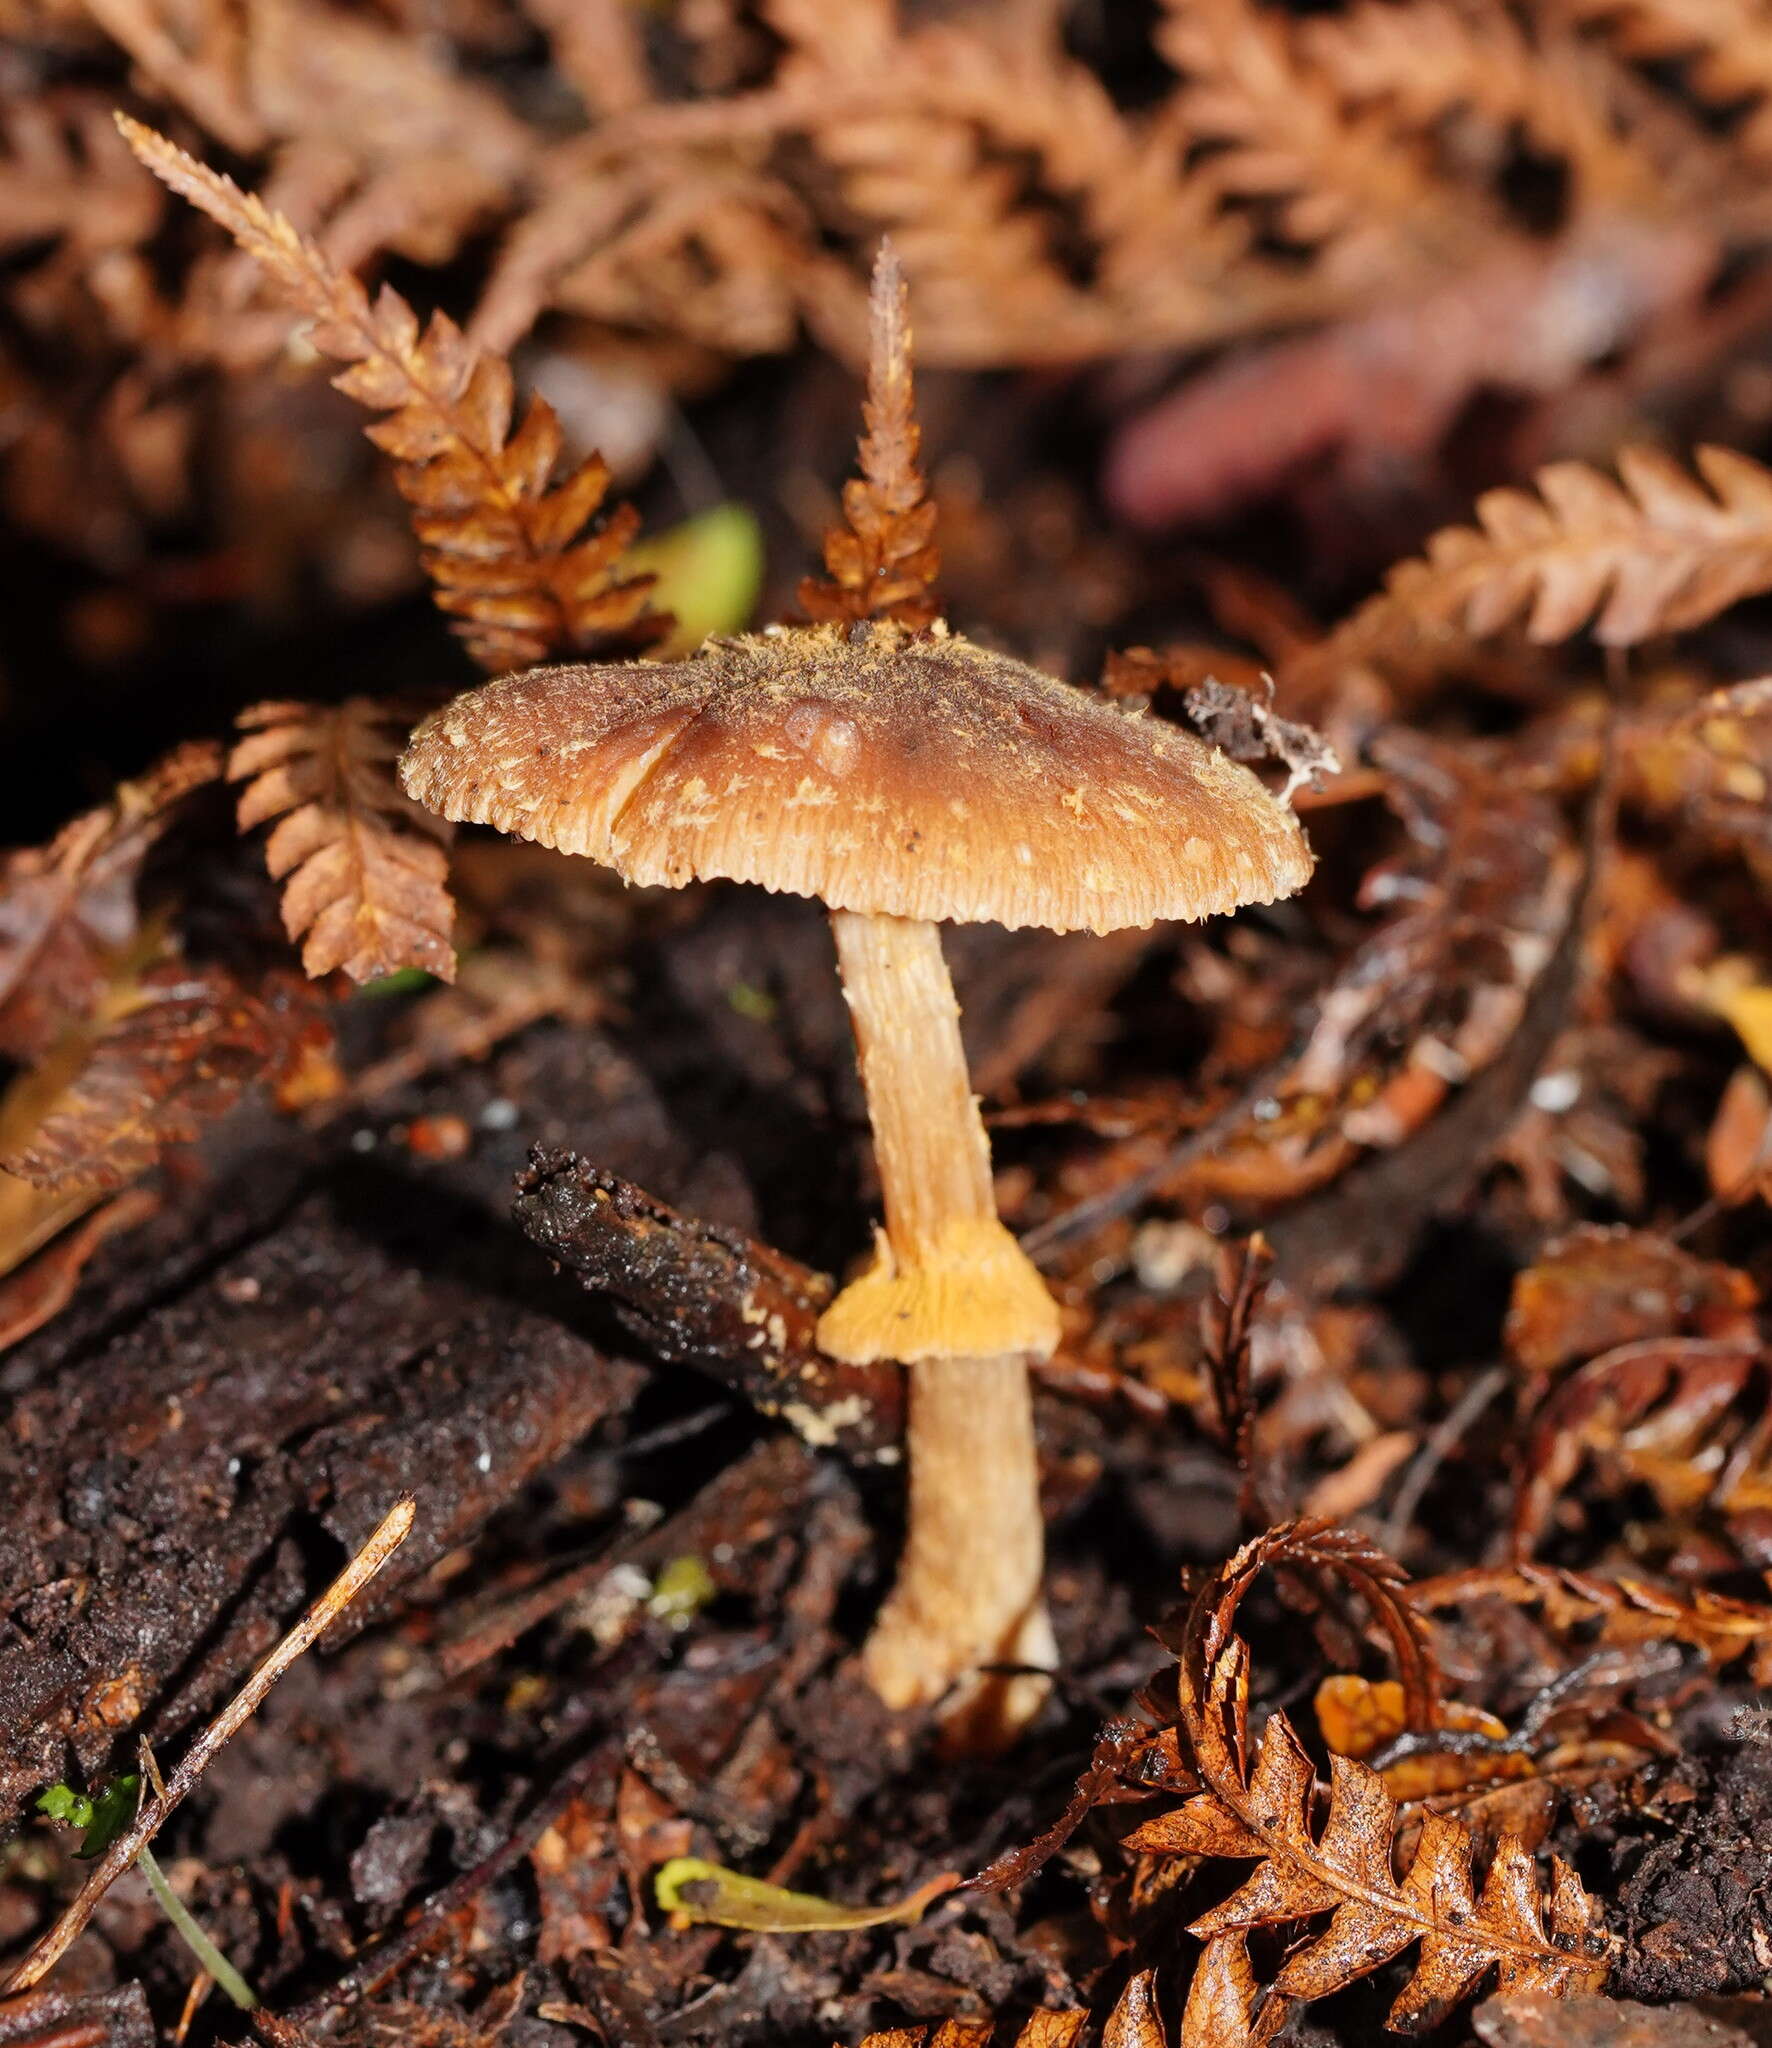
(154, 1813)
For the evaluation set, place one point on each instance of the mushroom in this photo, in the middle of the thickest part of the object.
(903, 779)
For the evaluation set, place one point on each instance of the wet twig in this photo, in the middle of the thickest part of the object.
(702, 1296)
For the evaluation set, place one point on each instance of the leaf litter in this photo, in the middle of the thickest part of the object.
(1432, 1195)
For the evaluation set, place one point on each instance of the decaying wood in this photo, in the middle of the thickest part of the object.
(711, 1298)
(153, 1813)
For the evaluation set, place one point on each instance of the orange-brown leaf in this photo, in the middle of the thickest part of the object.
(1222, 1999)
(68, 910)
(363, 866)
(187, 1043)
(39, 1291)
(513, 559)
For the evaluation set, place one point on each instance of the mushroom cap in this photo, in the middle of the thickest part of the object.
(880, 771)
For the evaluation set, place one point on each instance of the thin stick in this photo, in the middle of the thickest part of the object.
(1434, 1453)
(202, 1753)
(216, 1967)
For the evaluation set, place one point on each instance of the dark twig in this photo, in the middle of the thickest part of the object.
(710, 1298)
(1442, 1440)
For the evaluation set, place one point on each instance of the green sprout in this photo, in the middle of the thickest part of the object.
(681, 1590)
(102, 1820)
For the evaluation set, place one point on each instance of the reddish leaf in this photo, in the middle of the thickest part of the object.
(68, 910)
(188, 1044)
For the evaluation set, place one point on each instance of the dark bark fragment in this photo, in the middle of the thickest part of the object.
(59, 2019)
(701, 1295)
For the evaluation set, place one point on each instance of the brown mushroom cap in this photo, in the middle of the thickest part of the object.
(879, 771)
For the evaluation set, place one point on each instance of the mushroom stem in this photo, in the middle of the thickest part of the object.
(952, 1295)
(968, 1586)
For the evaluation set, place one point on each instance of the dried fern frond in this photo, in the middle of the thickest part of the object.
(985, 149)
(1657, 552)
(1726, 46)
(63, 173)
(1260, 1804)
(69, 909)
(363, 866)
(1048, 2028)
(882, 562)
(1433, 59)
(1286, 135)
(506, 546)
(1616, 1610)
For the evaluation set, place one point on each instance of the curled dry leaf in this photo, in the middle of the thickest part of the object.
(1686, 1416)
(363, 866)
(1260, 1803)
(69, 910)
(1598, 1287)
(508, 548)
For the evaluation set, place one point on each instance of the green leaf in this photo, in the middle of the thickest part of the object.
(716, 1897)
(63, 1803)
(710, 572)
(112, 1811)
(103, 1818)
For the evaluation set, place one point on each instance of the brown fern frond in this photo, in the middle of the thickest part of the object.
(1260, 1804)
(1615, 1610)
(363, 866)
(1726, 46)
(510, 550)
(1658, 552)
(1433, 59)
(1000, 165)
(1285, 135)
(1050, 2027)
(882, 563)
